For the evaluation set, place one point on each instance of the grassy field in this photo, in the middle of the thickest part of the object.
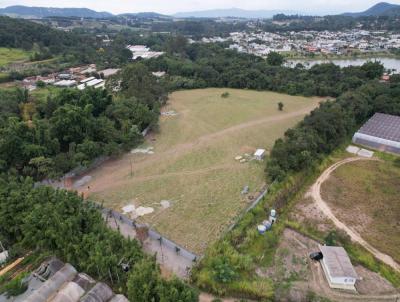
(11, 55)
(365, 195)
(193, 164)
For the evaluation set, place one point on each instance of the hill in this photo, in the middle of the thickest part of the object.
(379, 9)
(233, 12)
(145, 15)
(43, 12)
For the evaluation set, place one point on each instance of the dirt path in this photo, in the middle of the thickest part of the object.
(315, 193)
(114, 169)
(97, 188)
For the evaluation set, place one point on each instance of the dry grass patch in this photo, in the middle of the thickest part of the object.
(193, 165)
(365, 196)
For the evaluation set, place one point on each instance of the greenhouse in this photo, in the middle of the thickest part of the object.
(381, 132)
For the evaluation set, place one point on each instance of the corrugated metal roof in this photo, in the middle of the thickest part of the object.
(338, 262)
(384, 126)
(119, 298)
(101, 292)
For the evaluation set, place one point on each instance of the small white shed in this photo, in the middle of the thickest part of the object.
(259, 154)
(338, 268)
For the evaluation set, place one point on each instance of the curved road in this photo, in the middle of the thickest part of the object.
(315, 193)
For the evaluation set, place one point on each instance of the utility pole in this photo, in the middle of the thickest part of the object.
(130, 160)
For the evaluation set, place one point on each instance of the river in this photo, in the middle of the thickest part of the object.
(389, 63)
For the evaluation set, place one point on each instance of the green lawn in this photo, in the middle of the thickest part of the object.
(41, 94)
(194, 166)
(12, 55)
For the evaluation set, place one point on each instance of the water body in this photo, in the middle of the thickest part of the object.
(389, 63)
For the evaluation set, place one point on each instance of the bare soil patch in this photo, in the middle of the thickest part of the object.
(298, 276)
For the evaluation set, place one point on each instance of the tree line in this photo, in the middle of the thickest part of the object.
(47, 137)
(212, 65)
(44, 220)
(330, 125)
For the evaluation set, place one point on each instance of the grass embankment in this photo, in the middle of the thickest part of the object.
(13, 55)
(194, 163)
(365, 196)
(244, 244)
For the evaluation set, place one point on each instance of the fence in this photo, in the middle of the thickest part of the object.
(253, 205)
(154, 235)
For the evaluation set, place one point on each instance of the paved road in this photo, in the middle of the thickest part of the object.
(315, 193)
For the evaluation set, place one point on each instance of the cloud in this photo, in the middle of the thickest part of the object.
(172, 6)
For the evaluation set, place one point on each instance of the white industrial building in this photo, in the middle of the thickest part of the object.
(65, 83)
(142, 51)
(337, 267)
(91, 82)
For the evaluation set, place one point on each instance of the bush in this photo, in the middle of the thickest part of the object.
(225, 95)
(15, 287)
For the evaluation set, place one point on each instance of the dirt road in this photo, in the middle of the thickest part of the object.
(315, 193)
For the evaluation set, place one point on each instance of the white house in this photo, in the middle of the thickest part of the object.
(259, 154)
(337, 267)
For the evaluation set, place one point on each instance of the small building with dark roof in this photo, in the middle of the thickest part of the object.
(381, 132)
(337, 267)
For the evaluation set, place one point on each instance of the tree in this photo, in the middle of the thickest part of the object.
(40, 84)
(275, 59)
(280, 106)
(143, 282)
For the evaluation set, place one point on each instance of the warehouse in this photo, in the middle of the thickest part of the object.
(381, 132)
(337, 267)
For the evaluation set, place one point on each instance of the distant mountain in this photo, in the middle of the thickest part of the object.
(234, 12)
(145, 15)
(42, 12)
(379, 9)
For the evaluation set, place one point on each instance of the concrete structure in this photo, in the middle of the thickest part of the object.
(259, 154)
(381, 132)
(337, 267)
(109, 72)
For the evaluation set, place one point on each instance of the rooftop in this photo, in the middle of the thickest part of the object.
(384, 126)
(338, 262)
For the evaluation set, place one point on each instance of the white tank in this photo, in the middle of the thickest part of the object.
(273, 213)
(261, 229)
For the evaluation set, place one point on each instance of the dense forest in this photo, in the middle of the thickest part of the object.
(75, 47)
(288, 23)
(329, 126)
(59, 222)
(211, 65)
(46, 137)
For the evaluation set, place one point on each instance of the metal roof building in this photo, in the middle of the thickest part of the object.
(381, 132)
(338, 268)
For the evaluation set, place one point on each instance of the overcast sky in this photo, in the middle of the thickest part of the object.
(173, 6)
